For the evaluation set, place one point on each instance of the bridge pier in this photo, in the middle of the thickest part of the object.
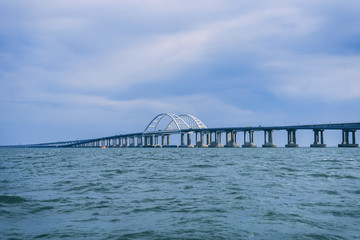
(217, 141)
(125, 143)
(291, 138)
(250, 143)
(168, 142)
(188, 145)
(345, 139)
(148, 141)
(156, 137)
(231, 139)
(139, 141)
(268, 139)
(132, 141)
(318, 138)
(162, 140)
(200, 143)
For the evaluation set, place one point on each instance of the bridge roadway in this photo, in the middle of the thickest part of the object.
(185, 125)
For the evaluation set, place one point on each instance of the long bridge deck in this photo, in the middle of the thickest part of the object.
(186, 124)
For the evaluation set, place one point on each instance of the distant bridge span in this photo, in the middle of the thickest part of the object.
(166, 124)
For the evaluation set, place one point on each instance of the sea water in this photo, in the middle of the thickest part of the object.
(133, 193)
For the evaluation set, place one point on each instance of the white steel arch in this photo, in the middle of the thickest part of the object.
(193, 121)
(177, 123)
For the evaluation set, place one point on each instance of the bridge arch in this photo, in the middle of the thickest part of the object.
(177, 123)
(193, 121)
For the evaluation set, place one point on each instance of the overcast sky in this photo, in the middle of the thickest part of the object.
(85, 69)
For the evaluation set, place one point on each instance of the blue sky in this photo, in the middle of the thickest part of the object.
(84, 69)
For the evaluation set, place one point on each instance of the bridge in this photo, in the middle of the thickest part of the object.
(158, 132)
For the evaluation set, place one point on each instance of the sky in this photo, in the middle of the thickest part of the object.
(85, 69)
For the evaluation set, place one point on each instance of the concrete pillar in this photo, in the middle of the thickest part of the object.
(162, 140)
(182, 142)
(156, 137)
(231, 139)
(318, 138)
(183, 145)
(208, 140)
(139, 141)
(268, 138)
(345, 139)
(217, 141)
(151, 140)
(250, 143)
(201, 142)
(353, 137)
(126, 141)
(133, 141)
(147, 141)
(228, 137)
(291, 138)
(167, 145)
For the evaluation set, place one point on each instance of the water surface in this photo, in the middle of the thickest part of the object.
(180, 193)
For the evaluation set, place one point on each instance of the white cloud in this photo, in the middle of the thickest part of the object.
(325, 78)
(73, 55)
(75, 59)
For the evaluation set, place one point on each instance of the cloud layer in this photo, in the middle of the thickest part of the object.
(111, 66)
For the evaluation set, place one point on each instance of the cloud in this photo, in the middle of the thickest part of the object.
(227, 62)
(327, 78)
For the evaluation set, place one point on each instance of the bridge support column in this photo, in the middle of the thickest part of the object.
(156, 137)
(188, 145)
(126, 140)
(318, 138)
(201, 142)
(189, 140)
(268, 139)
(162, 140)
(147, 141)
(291, 138)
(139, 141)
(231, 139)
(217, 142)
(345, 139)
(182, 139)
(132, 141)
(250, 143)
(168, 142)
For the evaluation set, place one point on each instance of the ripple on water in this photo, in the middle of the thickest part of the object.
(9, 199)
(180, 194)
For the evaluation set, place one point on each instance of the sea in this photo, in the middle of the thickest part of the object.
(173, 193)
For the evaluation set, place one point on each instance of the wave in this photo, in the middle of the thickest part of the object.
(9, 198)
